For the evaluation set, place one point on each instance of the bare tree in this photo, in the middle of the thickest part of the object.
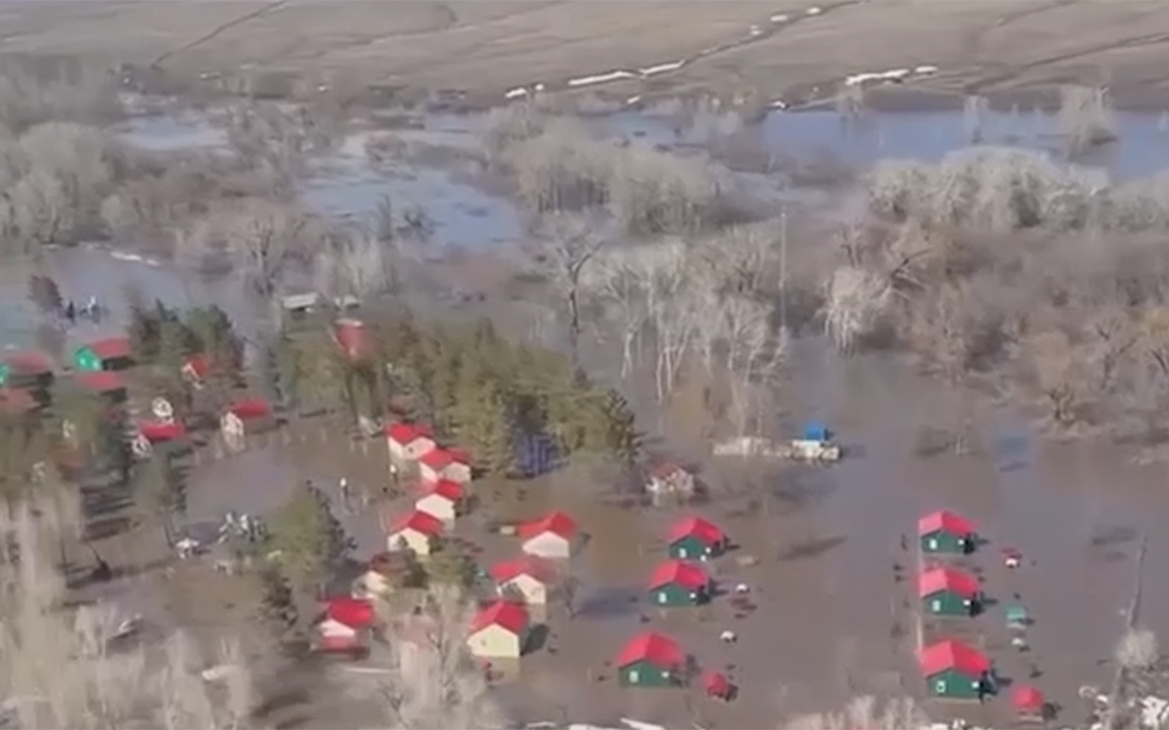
(265, 238)
(618, 282)
(354, 263)
(1059, 373)
(567, 244)
(1138, 650)
(1085, 118)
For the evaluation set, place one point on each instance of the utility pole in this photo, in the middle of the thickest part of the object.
(783, 273)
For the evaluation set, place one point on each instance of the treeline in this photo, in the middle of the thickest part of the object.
(484, 392)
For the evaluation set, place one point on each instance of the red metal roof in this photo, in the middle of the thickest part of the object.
(557, 523)
(160, 431)
(16, 401)
(447, 488)
(946, 521)
(952, 654)
(199, 365)
(111, 348)
(248, 408)
(419, 522)
(947, 579)
(528, 565)
(699, 528)
(679, 572)
(661, 651)
(407, 433)
(437, 458)
(102, 381)
(1026, 698)
(353, 338)
(716, 683)
(505, 614)
(28, 362)
(355, 613)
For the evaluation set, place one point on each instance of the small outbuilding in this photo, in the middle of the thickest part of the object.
(955, 670)
(528, 579)
(109, 353)
(718, 686)
(196, 369)
(108, 385)
(670, 483)
(409, 441)
(443, 499)
(949, 592)
(677, 583)
(651, 660)
(946, 532)
(440, 463)
(553, 536)
(1017, 617)
(499, 631)
(245, 417)
(345, 626)
(354, 340)
(694, 538)
(158, 433)
(1028, 702)
(416, 531)
(26, 369)
(385, 573)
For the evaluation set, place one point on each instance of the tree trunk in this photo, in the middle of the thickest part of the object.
(574, 324)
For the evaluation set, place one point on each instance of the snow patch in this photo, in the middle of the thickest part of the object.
(779, 18)
(662, 68)
(814, 10)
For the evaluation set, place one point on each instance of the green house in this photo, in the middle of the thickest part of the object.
(650, 660)
(946, 532)
(30, 370)
(696, 539)
(949, 592)
(110, 353)
(676, 583)
(954, 670)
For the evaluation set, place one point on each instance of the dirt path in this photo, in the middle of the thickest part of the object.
(664, 46)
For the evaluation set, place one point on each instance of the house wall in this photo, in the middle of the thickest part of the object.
(943, 542)
(691, 548)
(548, 545)
(460, 473)
(437, 506)
(947, 603)
(672, 595)
(643, 674)
(952, 684)
(86, 359)
(116, 363)
(528, 588)
(494, 642)
(231, 425)
(409, 540)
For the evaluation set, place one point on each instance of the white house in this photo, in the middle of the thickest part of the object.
(409, 441)
(499, 631)
(416, 531)
(442, 499)
(344, 626)
(449, 464)
(527, 578)
(553, 536)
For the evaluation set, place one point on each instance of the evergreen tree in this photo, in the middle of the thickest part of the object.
(307, 538)
(481, 420)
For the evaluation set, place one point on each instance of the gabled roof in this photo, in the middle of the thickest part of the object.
(28, 362)
(355, 613)
(665, 470)
(946, 521)
(658, 650)
(556, 523)
(698, 528)
(199, 365)
(1025, 697)
(102, 381)
(407, 433)
(110, 348)
(160, 431)
(15, 401)
(952, 654)
(249, 408)
(441, 458)
(504, 614)
(947, 579)
(419, 522)
(540, 570)
(354, 339)
(451, 490)
(680, 573)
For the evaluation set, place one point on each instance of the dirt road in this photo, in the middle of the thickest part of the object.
(491, 46)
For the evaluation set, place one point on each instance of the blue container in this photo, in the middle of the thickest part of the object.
(816, 431)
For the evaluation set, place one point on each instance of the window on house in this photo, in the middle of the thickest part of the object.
(937, 605)
(933, 544)
(940, 687)
(634, 676)
(661, 597)
(681, 552)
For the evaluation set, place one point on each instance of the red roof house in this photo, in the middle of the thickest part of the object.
(946, 532)
(102, 382)
(499, 631)
(526, 578)
(954, 669)
(679, 583)
(353, 338)
(415, 531)
(157, 432)
(955, 581)
(110, 353)
(442, 499)
(25, 368)
(409, 441)
(345, 625)
(450, 464)
(247, 415)
(553, 536)
(650, 659)
(197, 368)
(694, 538)
(16, 402)
(717, 685)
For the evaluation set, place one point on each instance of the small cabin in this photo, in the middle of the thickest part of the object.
(245, 417)
(26, 369)
(354, 339)
(439, 463)
(109, 353)
(409, 441)
(670, 483)
(106, 384)
(344, 627)
(300, 306)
